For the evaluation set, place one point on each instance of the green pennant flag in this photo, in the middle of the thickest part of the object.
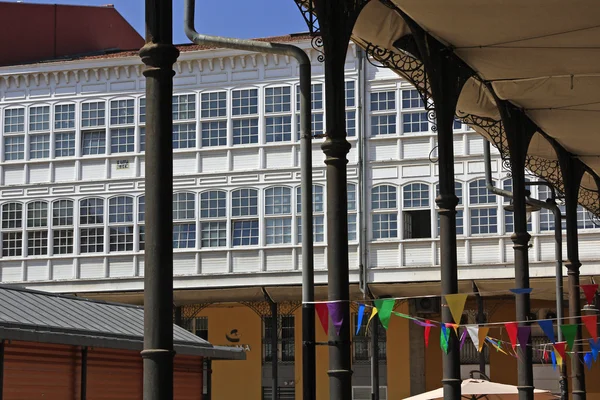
(569, 331)
(384, 310)
(444, 336)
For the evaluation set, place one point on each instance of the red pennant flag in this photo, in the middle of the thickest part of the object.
(427, 330)
(545, 356)
(323, 313)
(591, 323)
(560, 347)
(590, 292)
(512, 328)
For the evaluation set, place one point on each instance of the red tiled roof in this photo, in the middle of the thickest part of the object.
(191, 47)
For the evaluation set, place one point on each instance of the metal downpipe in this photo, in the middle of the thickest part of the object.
(309, 391)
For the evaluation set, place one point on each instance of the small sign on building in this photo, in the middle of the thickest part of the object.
(122, 164)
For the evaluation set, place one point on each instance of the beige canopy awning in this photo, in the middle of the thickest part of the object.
(541, 55)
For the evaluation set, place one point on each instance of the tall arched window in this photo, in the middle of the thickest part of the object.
(91, 220)
(37, 228)
(12, 233)
(184, 220)
(416, 211)
(213, 218)
(509, 216)
(141, 215)
(546, 216)
(385, 212)
(120, 223)
(483, 211)
(318, 214)
(278, 215)
(244, 214)
(351, 188)
(62, 226)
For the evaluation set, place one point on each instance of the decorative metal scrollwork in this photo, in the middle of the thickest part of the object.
(317, 44)
(307, 9)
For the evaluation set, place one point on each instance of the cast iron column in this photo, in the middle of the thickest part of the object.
(336, 20)
(159, 55)
(519, 130)
(375, 360)
(446, 75)
(572, 172)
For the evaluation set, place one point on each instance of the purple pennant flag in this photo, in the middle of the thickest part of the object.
(335, 312)
(521, 291)
(463, 336)
(423, 323)
(523, 335)
(548, 329)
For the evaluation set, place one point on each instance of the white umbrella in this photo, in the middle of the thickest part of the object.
(482, 389)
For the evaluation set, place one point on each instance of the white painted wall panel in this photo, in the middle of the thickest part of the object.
(417, 254)
(93, 170)
(142, 166)
(245, 159)
(485, 251)
(62, 269)
(279, 260)
(588, 246)
(120, 267)
(319, 257)
(353, 154)
(14, 175)
(184, 264)
(91, 268)
(415, 147)
(383, 255)
(37, 270)
(318, 157)
(475, 144)
(122, 167)
(380, 150)
(547, 248)
(141, 265)
(39, 173)
(246, 261)
(353, 257)
(214, 161)
(64, 172)
(278, 157)
(184, 164)
(11, 271)
(214, 262)
(459, 146)
(460, 253)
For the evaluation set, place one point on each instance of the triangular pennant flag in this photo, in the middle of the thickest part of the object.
(426, 333)
(512, 328)
(323, 313)
(463, 336)
(560, 348)
(384, 310)
(569, 331)
(473, 331)
(521, 290)
(423, 323)
(482, 334)
(456, 304)
(444, 337)
(589, 291)
(524, 332)
(591, 324)
(399, 314)
(595, 345)
(588, 360)
(453, 326)
(373, 313)
(545, 355)
(548, 329)
(361, 313)
(553, 360)
(559, 360)
(337, 315)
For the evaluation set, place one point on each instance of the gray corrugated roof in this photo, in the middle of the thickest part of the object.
(44, 317)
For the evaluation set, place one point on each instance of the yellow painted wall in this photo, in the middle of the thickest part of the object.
(398, 356)
(503, 368)
(236, 379)
(433, 361)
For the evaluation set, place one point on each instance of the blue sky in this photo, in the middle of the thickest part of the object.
(235, 18)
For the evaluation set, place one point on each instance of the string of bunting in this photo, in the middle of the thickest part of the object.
(518, 335)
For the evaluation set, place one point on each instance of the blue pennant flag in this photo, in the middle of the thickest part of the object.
(588, 360)
(553, 360)
(361, 313)
(548, 329)
(595, 345)
(521, 291)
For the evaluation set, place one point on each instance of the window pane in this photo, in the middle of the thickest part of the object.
(484, 221)
(39, 146)
(62, 213)
(411, 99)
(278, 99)
(14, 120)
(244, 202)
(64, 116)
(213, 204)
(92, 240)
(279, 230)
(383, 197)
(244, 102)
(12, 215)
(278, 200)
(37, 214)
(93, 114)
(39, 118)
(213, 234)
(12, 244)
(93, 142)
(64, 144)
(416, 195)
(245, 131)
(120, 210)
(184, 236)
(122, 112)
(214, 133)
(63, 241)
(278, 129)
(479, 194)
(415, 122)
(184, 136)
(184, 107)
(383, 125)
(14, 148)
(245, 233)
(184, 206)
(383, 101)
(213, 105)
(122, 140)
(91, 211)
(385, 226)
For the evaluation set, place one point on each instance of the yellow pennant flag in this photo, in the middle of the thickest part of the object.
(559, 359)
(373, 313)
(482, 334)
(456, 304)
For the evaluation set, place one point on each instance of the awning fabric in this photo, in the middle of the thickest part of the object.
(541, 55)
